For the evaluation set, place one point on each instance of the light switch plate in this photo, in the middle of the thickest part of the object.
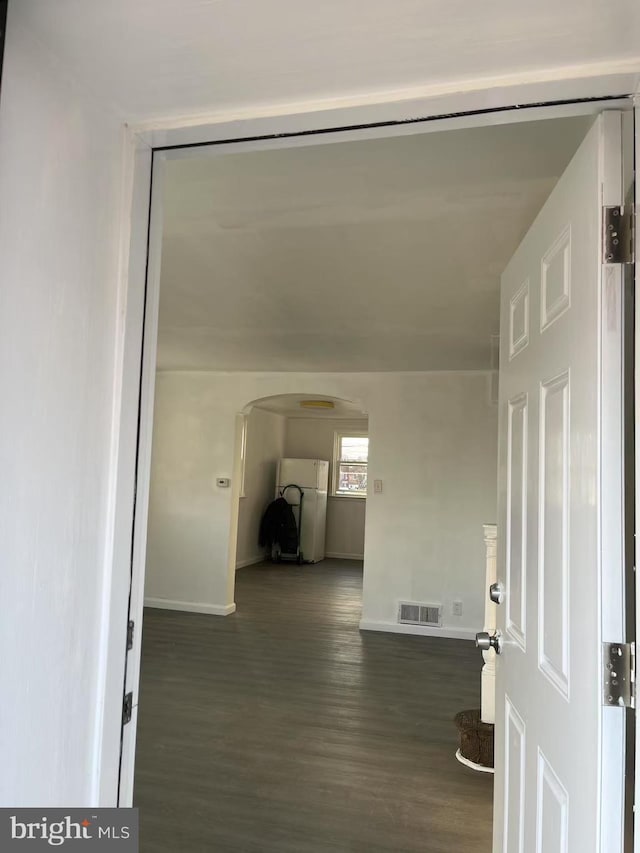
(377, 487)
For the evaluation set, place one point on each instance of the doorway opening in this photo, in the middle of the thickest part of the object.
(312, 452)
(384, 301)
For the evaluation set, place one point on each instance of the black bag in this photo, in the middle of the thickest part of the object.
(278, 527)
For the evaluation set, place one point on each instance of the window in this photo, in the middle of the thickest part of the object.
(350, 457)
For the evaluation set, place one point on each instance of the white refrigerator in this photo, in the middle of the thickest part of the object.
(312, 475)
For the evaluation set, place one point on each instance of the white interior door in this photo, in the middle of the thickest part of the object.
(559, 752)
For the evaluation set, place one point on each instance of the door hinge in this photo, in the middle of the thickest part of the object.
(619, 675)
(130, 628)
(127, 708)
(617, 234)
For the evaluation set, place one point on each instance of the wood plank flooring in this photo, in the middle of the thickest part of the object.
(284, 729)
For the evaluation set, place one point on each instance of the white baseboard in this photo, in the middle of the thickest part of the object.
(420, 630)
(242, 564)
(190, 606)
(334, 555)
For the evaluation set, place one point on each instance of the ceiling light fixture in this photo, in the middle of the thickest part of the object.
(317, 404)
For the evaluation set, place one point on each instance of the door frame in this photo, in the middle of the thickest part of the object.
(4, 4)
(145, 149)
(634, 605)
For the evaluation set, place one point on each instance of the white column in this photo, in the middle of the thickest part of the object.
(488, 678)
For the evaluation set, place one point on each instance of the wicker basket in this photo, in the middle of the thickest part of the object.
(476, 738)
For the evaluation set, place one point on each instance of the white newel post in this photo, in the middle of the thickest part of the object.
(488, 679)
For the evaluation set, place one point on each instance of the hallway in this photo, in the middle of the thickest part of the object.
(284, 729)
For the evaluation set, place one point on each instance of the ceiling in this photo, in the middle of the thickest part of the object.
(289, 406)
(167, 58)
(369, 255)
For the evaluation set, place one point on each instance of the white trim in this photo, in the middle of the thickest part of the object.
(139, 551)
(418, 630)
(110, 664)
(636, 367)
(244, 435)
(335, 555)
(251, 561)
(190, 606)
(616, 177)
(597, 79)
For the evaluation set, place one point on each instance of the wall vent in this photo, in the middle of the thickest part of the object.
(414, 613)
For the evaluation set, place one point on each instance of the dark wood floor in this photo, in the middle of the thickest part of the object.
(284, 729)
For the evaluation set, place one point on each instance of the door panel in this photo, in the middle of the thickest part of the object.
(552, 738)
(553, 534)
(514, 779)
(552, 836)
(517, 485)
(555, 290)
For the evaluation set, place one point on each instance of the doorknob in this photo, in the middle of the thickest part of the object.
(496, 593)
(486, 641)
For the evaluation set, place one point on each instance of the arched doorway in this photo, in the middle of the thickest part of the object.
(281, 434)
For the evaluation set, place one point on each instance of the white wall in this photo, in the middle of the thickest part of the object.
(312, 438)
(61, 184)
(177, 52)
(433, 443)
(188, 549)
(265, 446)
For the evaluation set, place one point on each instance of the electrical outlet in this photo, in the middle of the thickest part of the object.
(456, 608)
